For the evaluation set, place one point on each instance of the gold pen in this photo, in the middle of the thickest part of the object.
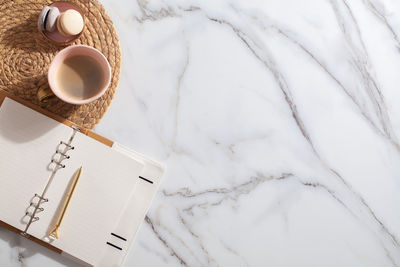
(71, 189)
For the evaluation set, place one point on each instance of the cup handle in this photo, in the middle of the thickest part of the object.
(43, 94)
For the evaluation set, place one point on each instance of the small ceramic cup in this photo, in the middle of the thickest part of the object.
(71, 51)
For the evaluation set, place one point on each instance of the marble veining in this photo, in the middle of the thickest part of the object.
(279, 124)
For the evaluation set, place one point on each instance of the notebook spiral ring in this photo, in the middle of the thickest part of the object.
(63, 154)
(34, 205)
(67, 145)
(35, 218)
(58, 163)
(42, 199)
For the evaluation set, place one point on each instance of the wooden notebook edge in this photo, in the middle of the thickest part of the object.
(34, 239)
(101, 139)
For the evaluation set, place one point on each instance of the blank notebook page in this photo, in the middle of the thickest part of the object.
(106, 184)
(28, 139)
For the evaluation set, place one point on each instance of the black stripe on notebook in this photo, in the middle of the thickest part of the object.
(147, 180)
(120, 237)
(108, 243)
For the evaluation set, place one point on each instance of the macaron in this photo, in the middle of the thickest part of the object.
(70, 23)
(51, 19)
(59, 28)
(42, 18)
(47, 18)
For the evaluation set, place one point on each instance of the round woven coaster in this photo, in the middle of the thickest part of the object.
(26, 55)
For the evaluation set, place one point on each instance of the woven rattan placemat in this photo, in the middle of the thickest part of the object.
(25, 55)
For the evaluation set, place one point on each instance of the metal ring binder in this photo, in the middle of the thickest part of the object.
(58, 163)
(62, 154)
(34, 205)
(35, 218)
(42, 199)
(66, 144)
(76, 128)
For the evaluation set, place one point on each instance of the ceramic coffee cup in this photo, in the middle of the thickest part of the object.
(78, 74)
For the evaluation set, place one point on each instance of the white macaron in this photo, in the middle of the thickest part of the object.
(51, 20)
(48, 18)
(42, 18)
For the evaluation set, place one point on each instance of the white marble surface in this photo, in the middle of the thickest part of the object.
(279, 122)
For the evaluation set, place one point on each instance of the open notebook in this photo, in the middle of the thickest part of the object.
(38, 158)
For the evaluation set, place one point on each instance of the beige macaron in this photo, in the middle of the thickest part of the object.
(70, 23)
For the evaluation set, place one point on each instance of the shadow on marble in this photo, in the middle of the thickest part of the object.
(31, 254)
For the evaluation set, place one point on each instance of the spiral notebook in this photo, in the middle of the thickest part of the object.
(38, 158)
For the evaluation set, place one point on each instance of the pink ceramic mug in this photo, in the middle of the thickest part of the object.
(92, 93)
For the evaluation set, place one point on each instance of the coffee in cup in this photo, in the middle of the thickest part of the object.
(78, 74)
(79, 77)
